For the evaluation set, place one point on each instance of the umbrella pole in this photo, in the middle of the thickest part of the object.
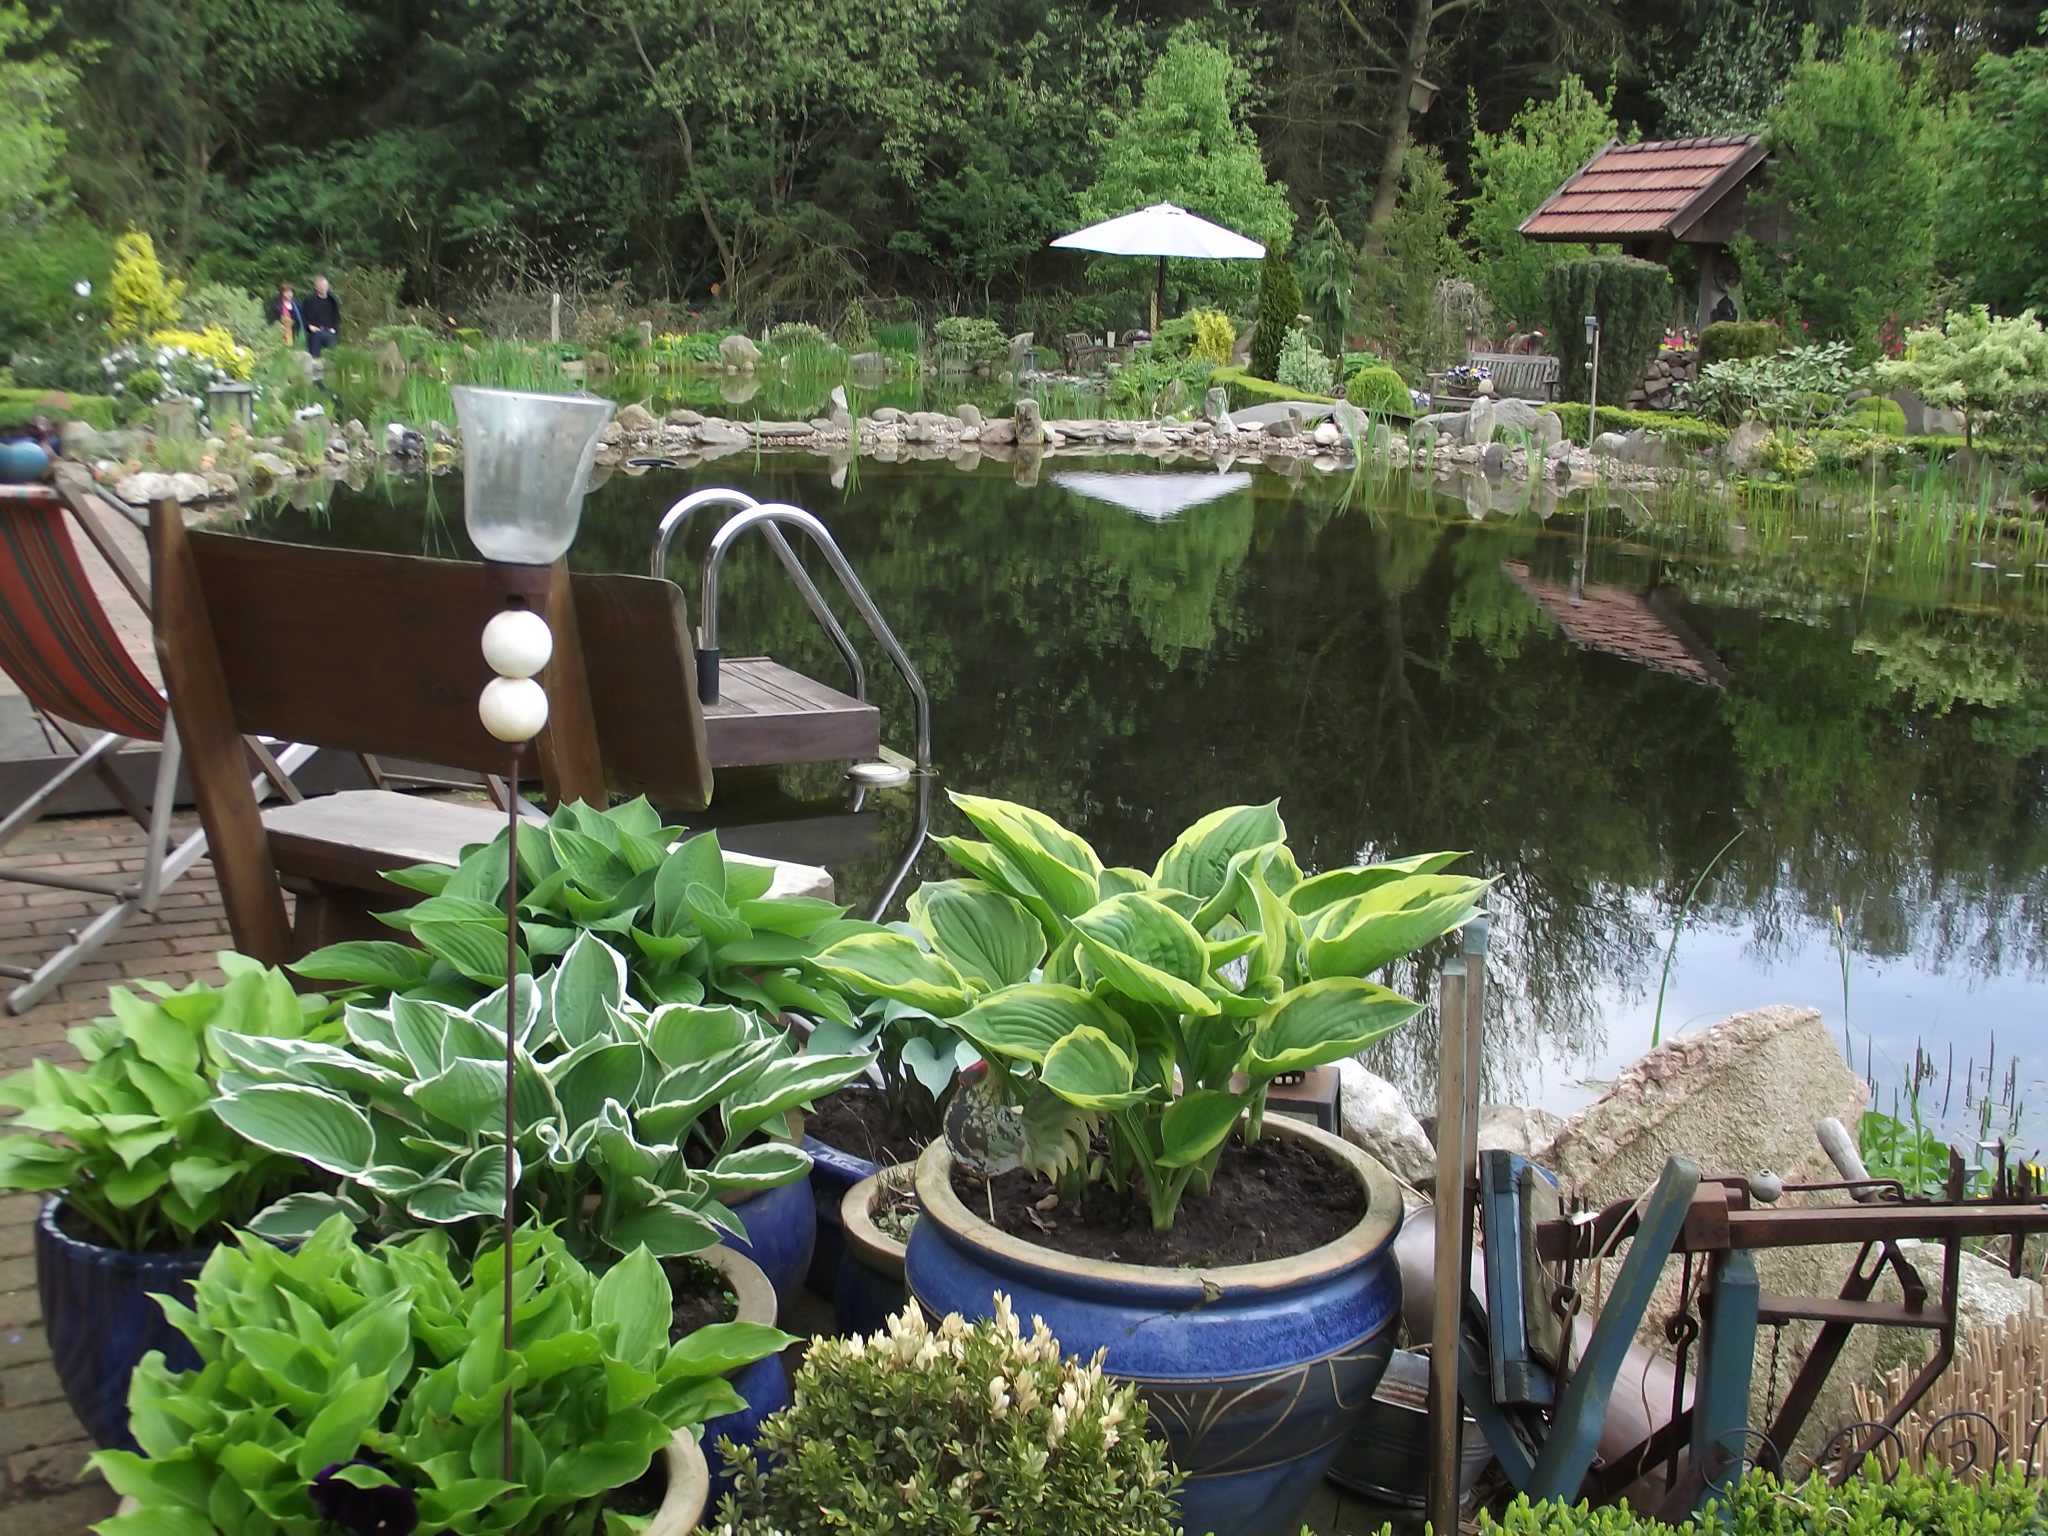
(1159, 297)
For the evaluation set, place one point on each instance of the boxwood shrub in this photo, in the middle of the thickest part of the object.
(19, 407)
(1681, 428)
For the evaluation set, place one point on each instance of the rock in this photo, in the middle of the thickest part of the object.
(739, 352)
(1479, 422)
(1548, 431)
(868, 362)
(1152, 440)
(1493, 458)
(1609, 445)
(1241, 349)
(1120, 432)
(715, 433)
(886, 414)
(358, 436)
(1328, 434)
(400, 441)
(1651, 450)
(929, 426)
(1216, 405)
(1741, 1097)
(1283, 427)
(295, 435)
(1515, 1128)
(636, 418)
(1560, 450)
(1451, 425)
(1020, 349)
(1000, 431)
(1030, 423)
(609, 434)
(684, 418)
(1739, 452)
(969, 413)
(151, 486)
(1378, 1122)
(1519, 416)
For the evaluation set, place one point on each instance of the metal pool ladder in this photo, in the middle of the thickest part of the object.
(771, 518)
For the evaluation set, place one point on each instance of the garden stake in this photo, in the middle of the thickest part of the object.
(511, 1051)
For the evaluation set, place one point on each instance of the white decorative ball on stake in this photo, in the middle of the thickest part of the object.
(518, 643)
(513, 709)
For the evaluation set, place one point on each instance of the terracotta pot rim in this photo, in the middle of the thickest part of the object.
(874, 1247)
(753, 1296)
(1374, 1232)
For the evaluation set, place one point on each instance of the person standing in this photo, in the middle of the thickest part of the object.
(321, 311)
(283, 312)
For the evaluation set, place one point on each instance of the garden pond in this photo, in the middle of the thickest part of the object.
(1593, 703)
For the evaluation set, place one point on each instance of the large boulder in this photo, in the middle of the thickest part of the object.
(715, 433)
(739, 352)
(1741, 1097)
(1739, 452)
(1030, 423)
(635, 418)
(997, 432)
(1378, 1122)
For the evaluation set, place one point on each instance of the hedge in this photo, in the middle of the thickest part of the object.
(19, 407)
(1725, 339)
(1690, 431)
(1245, 391)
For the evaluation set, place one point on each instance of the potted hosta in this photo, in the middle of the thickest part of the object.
(1115, 1172)
(144, 1178)
(984, 1427)
(349, 1390)
(666, 1127)
(875, 1217)
(681, 924)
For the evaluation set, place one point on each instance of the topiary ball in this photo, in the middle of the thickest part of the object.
(1379, 389)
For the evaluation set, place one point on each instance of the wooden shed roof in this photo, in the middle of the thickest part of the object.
(1640, 191)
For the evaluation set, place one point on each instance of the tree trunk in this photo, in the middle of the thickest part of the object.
(1413, 59)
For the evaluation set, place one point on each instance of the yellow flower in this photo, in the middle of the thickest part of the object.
(213, 345)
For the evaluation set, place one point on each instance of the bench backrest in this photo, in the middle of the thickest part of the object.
(1526, 375)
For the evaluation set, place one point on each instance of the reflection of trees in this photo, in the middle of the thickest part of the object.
(1380, 674)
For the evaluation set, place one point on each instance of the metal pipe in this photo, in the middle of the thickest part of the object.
(781, 512)
(1446, 1420)
(676, 522)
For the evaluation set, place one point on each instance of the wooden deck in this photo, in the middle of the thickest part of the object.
(767, 715)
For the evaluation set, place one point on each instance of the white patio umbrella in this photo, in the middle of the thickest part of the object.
(1157, 497)
(1162, 230)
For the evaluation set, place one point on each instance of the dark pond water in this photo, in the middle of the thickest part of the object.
(1870, 715)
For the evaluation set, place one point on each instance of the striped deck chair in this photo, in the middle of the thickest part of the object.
(61, 649)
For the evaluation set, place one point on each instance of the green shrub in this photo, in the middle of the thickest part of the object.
(1215, 335)
(1045, 1444)
(853, 327)
(1796, 387)
(1303, 365)
(1379, 389)
(1632, 299)
(1726, 339)
(415, 343)
(145, 385)
(980, 342)
(1245, 391)
(1879, 413)
(798, 333)
(1279, 303)
(1140, 388)
(1687, 431)
(235, 311)
(19, 407)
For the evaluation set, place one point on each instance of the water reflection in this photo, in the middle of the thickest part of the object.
(1403, 677)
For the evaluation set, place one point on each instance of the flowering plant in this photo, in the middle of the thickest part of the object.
(942, 1431)
(1467, 376)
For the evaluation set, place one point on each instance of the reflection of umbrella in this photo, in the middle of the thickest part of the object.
(1162, 230)
(1154, 496)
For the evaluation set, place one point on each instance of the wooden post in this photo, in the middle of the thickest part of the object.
(571, 765)
(215, 758)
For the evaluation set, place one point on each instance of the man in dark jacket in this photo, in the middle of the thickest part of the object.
(322, 312)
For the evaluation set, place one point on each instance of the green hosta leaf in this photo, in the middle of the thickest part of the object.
(782, 1086)
(746, 880)
(714, 919)
(127, 1188)
(890, 965)
(1117, 881)
(633, 1298)
(367, 963)
(798, 916)
(447, 909)
(588, 862)
(1062, 867)
(34, 1166)
(1362, 933)
(997, 870)
(820, 1002)
(769, 1166)
(159, 1037)
(469, 1095)
(678, 1033)
(770, 949)
(1148, 951)
(606, 1072)
(1335, 885)
(691, 1089)
(990, 938)
(1200, 857)
(429, 879)
(1195, 1124)
(479, 1192)
(665, 1229)
(325, 1130)
(337, 1431)
(718, 1349)
(588, 985)
(1090, 1071)
(1023, 1023)
(477, 950)
(696, 862)
(1323, 1022)
(932, 1065)
(297, 1217)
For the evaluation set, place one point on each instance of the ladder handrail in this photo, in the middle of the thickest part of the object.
(676, 521)
(767, 515)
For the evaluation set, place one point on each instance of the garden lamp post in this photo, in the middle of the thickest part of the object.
(1593, 396)
(525, 465)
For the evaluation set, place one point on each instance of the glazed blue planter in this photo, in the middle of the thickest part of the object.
(23, 461)
(1255, 1374)
(765, 1386)
(833, 1173)
(871, 1288)
(782, 1230)
(100, 1320)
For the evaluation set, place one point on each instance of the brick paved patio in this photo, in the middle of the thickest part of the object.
(42, 1446)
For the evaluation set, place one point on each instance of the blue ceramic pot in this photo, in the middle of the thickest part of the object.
(100, 1320)
(833, 1173)
(1255, 1374)
(871, 1287)
(23, 461)
(782, 1229)
(764, 1384)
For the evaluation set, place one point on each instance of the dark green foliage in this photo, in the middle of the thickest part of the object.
(971, 342)
(19, 407)
(2005, 1504)
(1996, 219)
(1379, 389)
(1725, 339)
(1279, 303)
(1688, 431)
(853, 327)
(1632, 299)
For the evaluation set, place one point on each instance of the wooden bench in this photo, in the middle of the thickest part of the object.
(378, 654)
(1516, 375)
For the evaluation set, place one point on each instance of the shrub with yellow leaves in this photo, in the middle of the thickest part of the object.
(966, 1427)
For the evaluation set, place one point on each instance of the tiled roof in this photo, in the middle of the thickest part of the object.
(1625, 623)
(1634, 191)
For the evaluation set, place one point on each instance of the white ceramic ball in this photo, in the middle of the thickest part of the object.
(513, 709)
(518, 643)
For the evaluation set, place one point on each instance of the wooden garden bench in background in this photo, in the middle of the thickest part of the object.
(1516, 375)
